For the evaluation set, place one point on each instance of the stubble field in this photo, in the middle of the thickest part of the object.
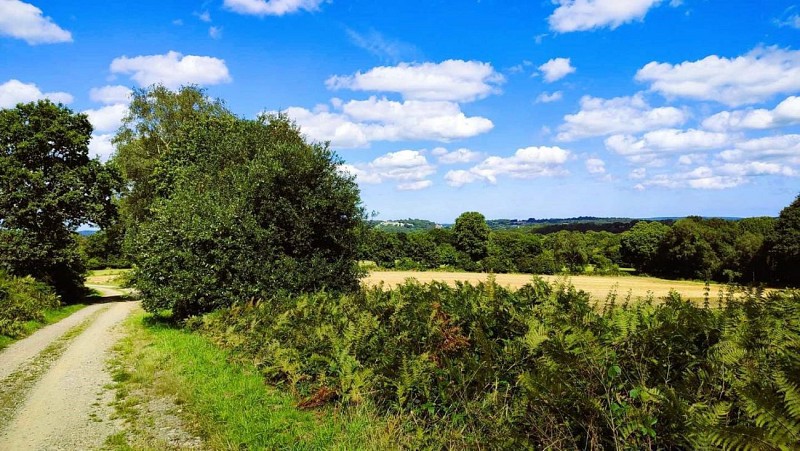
(597, 286)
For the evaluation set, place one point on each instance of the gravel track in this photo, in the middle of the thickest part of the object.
(68, 407)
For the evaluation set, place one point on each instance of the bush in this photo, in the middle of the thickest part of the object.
(22, 299)
(536, 368)
(247, 208)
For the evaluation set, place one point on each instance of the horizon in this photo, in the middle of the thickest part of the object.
(556, 109)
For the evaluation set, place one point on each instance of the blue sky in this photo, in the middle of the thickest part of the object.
(516, 109)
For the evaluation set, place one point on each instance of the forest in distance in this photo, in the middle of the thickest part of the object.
(243, 234)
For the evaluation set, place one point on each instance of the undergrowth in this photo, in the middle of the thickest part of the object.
(226, 404)
(540, 367)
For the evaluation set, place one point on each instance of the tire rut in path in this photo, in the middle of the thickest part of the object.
(68, 408)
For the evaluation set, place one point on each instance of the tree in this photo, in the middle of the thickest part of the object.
(48, 187)
(244, 209)
(639, 246)
(472, 235)
(785, 245)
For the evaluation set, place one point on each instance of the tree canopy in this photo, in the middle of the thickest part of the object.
(48, 187)
(236, 209)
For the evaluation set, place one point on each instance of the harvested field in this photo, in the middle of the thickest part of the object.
(597, 286)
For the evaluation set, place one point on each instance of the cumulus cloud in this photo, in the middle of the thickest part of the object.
(751, 78)
(451, 80)
(100, 146)
(172, 69)
(547, 97)
(719, 177)
(24, 21)
(582, 15)
(408, 167)
(556, 69)
(215, 32)
(666, 140)
(110, 94)
(785, 113)
(107, 118)
(526, 163)
(598, 117)
(457, 156)
(356, 123)
(780, 147)
(595, 166)
(13, 92)
(638, 173)
(272, 7)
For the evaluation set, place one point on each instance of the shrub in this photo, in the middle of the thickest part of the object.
(22, 299)
(536, 368)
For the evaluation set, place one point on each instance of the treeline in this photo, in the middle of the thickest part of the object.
(752, 250)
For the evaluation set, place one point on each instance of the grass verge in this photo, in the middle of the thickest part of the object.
(51, 316)
(226, 404)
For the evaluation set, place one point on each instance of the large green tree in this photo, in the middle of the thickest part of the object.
(48, 187)
(471, 235)
(785, 245)
(639, 246)
(242, 209)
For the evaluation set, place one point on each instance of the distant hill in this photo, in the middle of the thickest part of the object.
(87, 232)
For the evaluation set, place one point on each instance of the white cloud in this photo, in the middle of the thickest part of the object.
(599, 117)
(529, 162)
(361, 121)
(781, 147)
(556, 69)
(272, 7)
(582, 15)
(415, 186)
(452, 80)
(205, 16)
(785, 113)
(751, 78)
(638, 173)
(107, 118)
(596, 166)
(100, 146)
(666, 140)
(24, 21)
(457, 156)
(172, 69)
(215, 32)
(111, 94)
(547, 97)
(409, 167)
(13, 92)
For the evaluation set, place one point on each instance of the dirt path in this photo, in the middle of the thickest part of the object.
(52, 384)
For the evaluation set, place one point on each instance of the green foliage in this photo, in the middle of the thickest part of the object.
(640, 245)
(785, 245)
(537, 368)
(48, 187)
(471, 235)
(22, 299)
(243, 208)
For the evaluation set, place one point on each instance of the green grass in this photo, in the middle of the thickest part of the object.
(51, 316)
(228, 404)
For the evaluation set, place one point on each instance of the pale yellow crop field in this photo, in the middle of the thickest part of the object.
(597, 286)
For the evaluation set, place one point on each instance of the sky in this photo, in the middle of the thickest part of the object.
(516, 109)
